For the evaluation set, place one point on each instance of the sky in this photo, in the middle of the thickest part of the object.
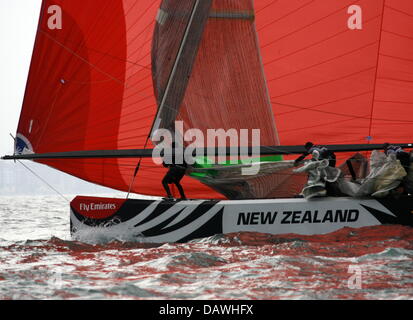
(18, 24)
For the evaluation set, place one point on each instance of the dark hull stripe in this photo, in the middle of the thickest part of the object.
(212, 227)
(194, 215)
(156, 230)
(161, 208)
(383, 218)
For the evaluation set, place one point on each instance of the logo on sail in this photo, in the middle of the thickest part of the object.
(22, 145)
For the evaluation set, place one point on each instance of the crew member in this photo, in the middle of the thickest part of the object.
(323, 152)
(400, 154)
(175, 174)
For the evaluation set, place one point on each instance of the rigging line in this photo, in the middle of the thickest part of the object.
(113, 45)
(377, 72)
(44, 181)
(136, 169)
(106, 54)
(38, 176)
(134, 63)
(134, 23)
(86, 36)
(103, 34)
(138, 48)
(145, 29)
(311, 108)
(49, 115)
(138, 72)
(81, 58)
(51, 73)
(136, 83)
(104, 98)
(147, 67)
(66, 40)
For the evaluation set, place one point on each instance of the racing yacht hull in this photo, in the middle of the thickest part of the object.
(163, 221)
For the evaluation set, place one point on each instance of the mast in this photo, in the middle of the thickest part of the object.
(175, 90)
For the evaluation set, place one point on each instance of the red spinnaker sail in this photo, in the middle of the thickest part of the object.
(90, 84)
(333, 84)
(90, 88)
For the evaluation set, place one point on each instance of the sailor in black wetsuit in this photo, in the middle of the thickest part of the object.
(323, 152)
(175, 174)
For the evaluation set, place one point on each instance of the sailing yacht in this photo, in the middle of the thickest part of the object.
(107, 75)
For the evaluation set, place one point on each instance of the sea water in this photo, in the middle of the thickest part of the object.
(39, 260)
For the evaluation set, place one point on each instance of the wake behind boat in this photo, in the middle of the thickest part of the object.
(105, 83)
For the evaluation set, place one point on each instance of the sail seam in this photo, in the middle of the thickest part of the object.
(302, 28)
(266, 6)
(326, 61)
(318, 105)
(398, 34)
(325, 82)
(369, 138)
(321, 125)
(286, 15)
(340, 114)
(316, 43)
(401, 102)
(400, 11)
(396, 57)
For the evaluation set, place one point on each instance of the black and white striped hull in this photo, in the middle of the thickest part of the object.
(160, 221)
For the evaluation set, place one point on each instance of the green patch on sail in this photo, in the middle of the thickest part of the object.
(207, 163)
